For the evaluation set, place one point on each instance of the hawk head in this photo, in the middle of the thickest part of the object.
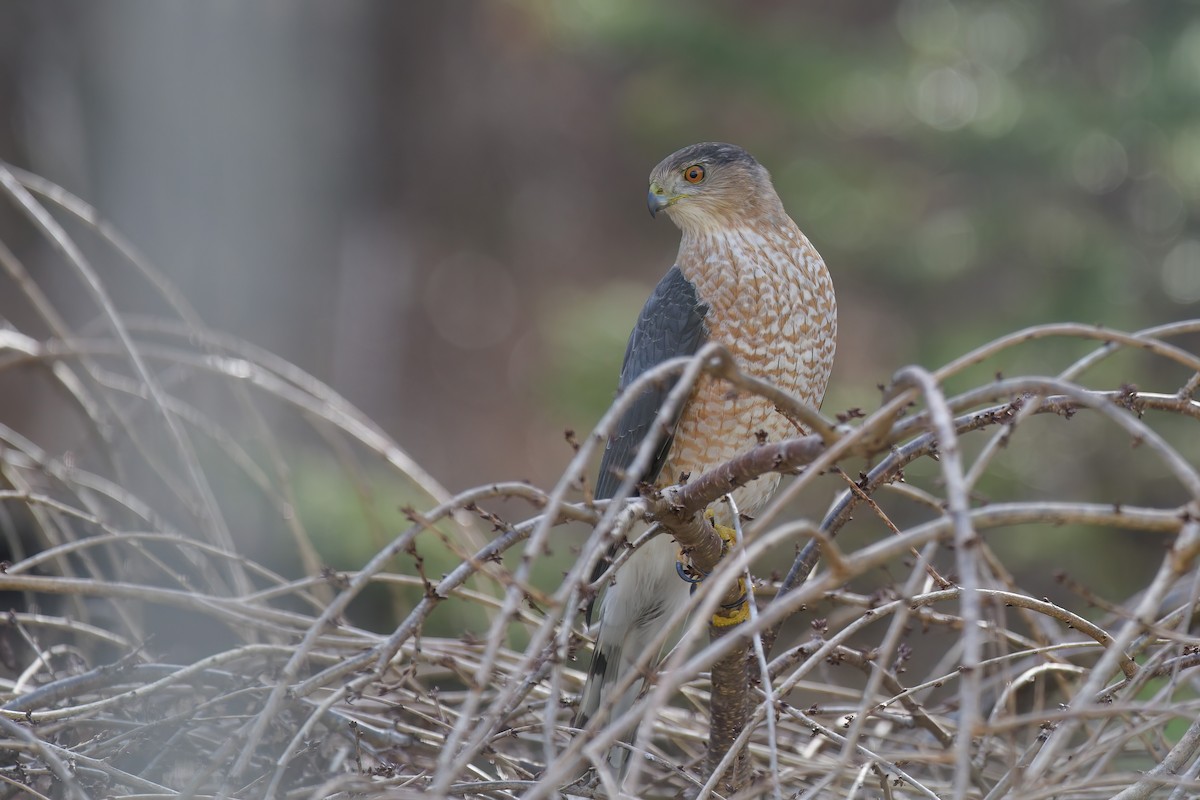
(712, 185)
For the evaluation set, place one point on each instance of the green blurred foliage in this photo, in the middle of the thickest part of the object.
(349, 512)
(351, 515)
(967, 169)
(984, 165)
(587, 333)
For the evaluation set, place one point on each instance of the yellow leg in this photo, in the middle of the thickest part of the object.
(738, 611)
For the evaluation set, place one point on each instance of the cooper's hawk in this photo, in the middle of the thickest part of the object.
(747, 277)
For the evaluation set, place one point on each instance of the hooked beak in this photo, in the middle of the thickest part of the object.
(656, 199)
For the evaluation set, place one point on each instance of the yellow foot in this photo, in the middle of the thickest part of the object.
(738, 611)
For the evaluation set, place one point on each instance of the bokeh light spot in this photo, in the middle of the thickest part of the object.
(945, 98)
(1184, 63)
(995, 37)
(1099, 163)
(931, 26)
(1184, 154)
(1181, 272)
(1000, 104)
(1126, 65)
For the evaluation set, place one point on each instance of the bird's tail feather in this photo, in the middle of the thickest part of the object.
(632, 614)
(607, 669)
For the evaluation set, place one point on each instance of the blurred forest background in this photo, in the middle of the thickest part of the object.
(438, 207)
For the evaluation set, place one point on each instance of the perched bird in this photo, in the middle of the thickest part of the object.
(748, 278)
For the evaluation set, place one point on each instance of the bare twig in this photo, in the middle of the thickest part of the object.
(915, 656)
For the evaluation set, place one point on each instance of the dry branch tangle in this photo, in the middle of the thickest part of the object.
(871, 694)
(1034, 396)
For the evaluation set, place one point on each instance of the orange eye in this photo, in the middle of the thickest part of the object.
(694, 173)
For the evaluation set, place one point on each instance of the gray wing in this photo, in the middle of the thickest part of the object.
(671, 324)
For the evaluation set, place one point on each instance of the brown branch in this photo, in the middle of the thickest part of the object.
(676, 508)
(730, 710)
(1128, 666)
(924, 444)
(891, 526)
